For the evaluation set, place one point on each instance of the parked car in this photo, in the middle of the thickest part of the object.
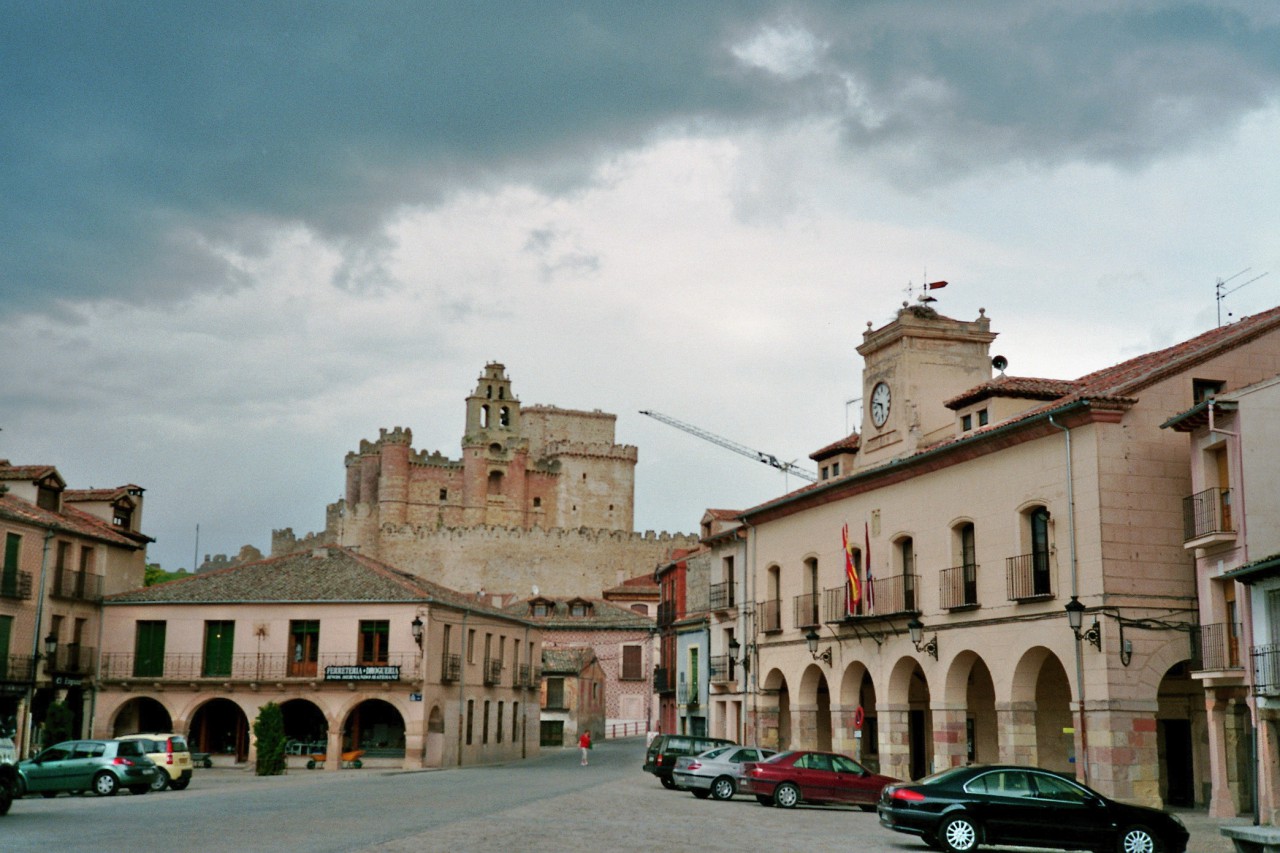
(8, 772)
(961, 808)
(716, 772)
(101, 766)
(660, 757)
(804, 776)
(171, 755)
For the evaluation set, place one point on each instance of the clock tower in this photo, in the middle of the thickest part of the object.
(910, 368)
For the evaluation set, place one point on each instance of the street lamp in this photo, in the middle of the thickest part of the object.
(50, 650)
(916, 628)
(416, 627)
(1075, 618)
(812, 639)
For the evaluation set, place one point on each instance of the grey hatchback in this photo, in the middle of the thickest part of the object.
(101, 766)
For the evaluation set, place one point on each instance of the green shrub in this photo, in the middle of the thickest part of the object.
(268, 730)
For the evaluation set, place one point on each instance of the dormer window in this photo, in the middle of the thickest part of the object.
(966, 423)
(579, 608)
(1203, 389)
(47, 498)
(540, 609)
(982, 417)
(122, 516)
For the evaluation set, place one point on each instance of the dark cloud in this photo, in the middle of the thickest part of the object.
(133, 135)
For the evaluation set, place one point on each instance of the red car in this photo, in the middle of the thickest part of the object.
(790, 778)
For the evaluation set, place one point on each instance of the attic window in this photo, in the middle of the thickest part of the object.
(122, 517)
(47, 498)
(540, 608)
(966, 423)
(825, 472)
(835, 469)
(982, 417)
(579, 608)
(1203, 389)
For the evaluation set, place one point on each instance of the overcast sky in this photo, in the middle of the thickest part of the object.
(238, 238)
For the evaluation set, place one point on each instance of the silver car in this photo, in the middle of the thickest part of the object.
(716, 772)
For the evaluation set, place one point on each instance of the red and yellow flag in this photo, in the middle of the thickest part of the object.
(853, 592)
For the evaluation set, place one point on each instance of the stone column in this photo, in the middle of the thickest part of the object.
(1016, 728)
(895, 740)
(950, 741)
(804, 727)
(1123, 751)
(333, 752)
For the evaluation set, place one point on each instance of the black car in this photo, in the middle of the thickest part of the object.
(959, 809)
(660, 758)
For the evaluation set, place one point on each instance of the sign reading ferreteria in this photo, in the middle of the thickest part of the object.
(362, 673)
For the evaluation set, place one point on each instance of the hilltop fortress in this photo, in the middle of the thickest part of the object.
(541, 496)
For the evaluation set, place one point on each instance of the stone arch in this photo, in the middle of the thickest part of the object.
(376, 726)
(219, 726)
(1038, 727)
(858, 690)
(141, 714)
(906, 722)
(435, 737)
(814, 710)
(306, 724)
(774, 723)
(967, 716)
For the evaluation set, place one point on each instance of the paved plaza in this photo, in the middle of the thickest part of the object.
(547, 804)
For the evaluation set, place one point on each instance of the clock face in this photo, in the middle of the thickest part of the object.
(880, 398)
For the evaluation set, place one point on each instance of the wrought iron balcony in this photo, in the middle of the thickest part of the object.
(17, 668)
(450, 667)
(720, 596)
(72, 659)
(1266, 669)
(722, 669)
(492, 670)
(958, 587)
(15, 585)
(1206, 515)
(688, 694)
(663, 679)
(1029, 577)
(524, 676)
(1216, 647)
(770, 615)
(806, 610)
(888, 596)
(77, 586)
(127, 666)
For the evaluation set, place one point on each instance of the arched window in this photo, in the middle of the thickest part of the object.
(504, 418)
(484, 417)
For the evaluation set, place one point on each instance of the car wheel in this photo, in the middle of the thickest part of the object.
(959, 835)
(6, 797)
(48, 795)
(105, 785)
(764, 800)
(700, 793)
(1138, 839)
(160, 782)
(667, 783)
(786, 796)
(139, 789)
(179, 784)
(723, 788)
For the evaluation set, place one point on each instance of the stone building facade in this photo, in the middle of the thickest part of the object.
(540, 496)
(979, 507)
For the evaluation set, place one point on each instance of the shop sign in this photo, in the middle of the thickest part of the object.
(362, 673)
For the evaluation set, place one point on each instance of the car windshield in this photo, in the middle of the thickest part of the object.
(130, 748)
(177, 744)
(941, 775)
(714, 753)
(774, 759)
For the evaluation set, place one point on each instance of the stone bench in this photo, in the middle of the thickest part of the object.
(1253, 839)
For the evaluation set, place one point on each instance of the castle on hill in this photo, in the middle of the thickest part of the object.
(541, 497)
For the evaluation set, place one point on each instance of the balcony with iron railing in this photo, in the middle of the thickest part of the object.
(720, 596)
(492, 671)
(805, 610)
(523, 676)
(16, 668)
(450, 667)
(72, 659)
(1216, 648)
(15, 585)
(663, 679)
(77, 586)
(1028, 577)
(958, 587)
(127, 666)
(687, 694)
(1266, 669)
(1206, 519)
(721, 669)
(770, 615)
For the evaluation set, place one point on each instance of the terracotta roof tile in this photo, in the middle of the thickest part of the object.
(25, 472)
(567, 660)
(851, 442)
(603, 615)
(70, 520)
(1024, 387)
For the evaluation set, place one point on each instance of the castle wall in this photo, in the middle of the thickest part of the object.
(542, 425)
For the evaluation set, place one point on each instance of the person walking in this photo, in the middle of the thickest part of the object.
(584, 743)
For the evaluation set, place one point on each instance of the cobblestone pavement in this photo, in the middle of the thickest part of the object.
(549, 803)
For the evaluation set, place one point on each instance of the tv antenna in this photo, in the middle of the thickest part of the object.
(758, 455)
(1221, 291)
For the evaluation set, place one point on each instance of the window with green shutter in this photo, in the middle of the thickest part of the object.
(148, 649)
(9, 577)
(219, 641)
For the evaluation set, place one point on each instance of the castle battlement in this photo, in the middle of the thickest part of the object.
(626, 452)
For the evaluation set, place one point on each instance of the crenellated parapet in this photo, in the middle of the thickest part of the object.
(396, 435)
(599, 450)
(434, 459)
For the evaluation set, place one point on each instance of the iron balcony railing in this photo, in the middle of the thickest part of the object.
(125, 666)
(450, 666)
(15, 585)
(806, 610)
(663, 679)
(770, 615)
(1216, 647)
(72, 659)
(721, 669)
(721, 596)
(688, 694)
(17, 668)
(1206, 513)
(492, 670)
(1266, 669)
(1028, 576)
(882, 597)
(524, 676)
(77, 586)
(958, 587)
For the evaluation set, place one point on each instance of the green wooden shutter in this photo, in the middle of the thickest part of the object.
(219, 640)
(6, 626)
(148, 654)
(9, 580)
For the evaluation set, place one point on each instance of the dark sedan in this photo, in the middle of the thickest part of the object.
(790, 778)
(958, 809)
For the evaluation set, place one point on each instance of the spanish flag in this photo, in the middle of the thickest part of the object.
(853, 592)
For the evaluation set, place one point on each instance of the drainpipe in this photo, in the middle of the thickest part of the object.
(1247, 591)
(751, 650)
(1075, 591)
(36, 644)
(462, 682)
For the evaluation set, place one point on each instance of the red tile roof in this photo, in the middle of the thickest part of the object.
(851, 442)
(70, 520)
(1024, 387)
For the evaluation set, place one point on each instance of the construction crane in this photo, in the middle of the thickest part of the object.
(758, 455)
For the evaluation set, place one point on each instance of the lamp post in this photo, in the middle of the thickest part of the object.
(916, 628)
(811, 639)
(1075, 618)
(416, 627)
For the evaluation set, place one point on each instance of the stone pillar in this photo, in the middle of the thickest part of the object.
(1016, 727)
(1220, 800)
(950, 739)
(333, 752)
(843, 735)
(1123, 751)
(895, 740)
(804, 727)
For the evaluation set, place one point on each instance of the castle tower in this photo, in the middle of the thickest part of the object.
(495, 455)
(393, 484)
(911, 366)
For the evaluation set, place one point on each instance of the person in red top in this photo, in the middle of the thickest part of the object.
(584, 743)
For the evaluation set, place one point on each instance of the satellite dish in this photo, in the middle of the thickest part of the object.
(1000, 363)
(535, 589)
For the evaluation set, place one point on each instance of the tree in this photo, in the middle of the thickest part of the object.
(58, 722)
(268, 730)
(154, 574)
